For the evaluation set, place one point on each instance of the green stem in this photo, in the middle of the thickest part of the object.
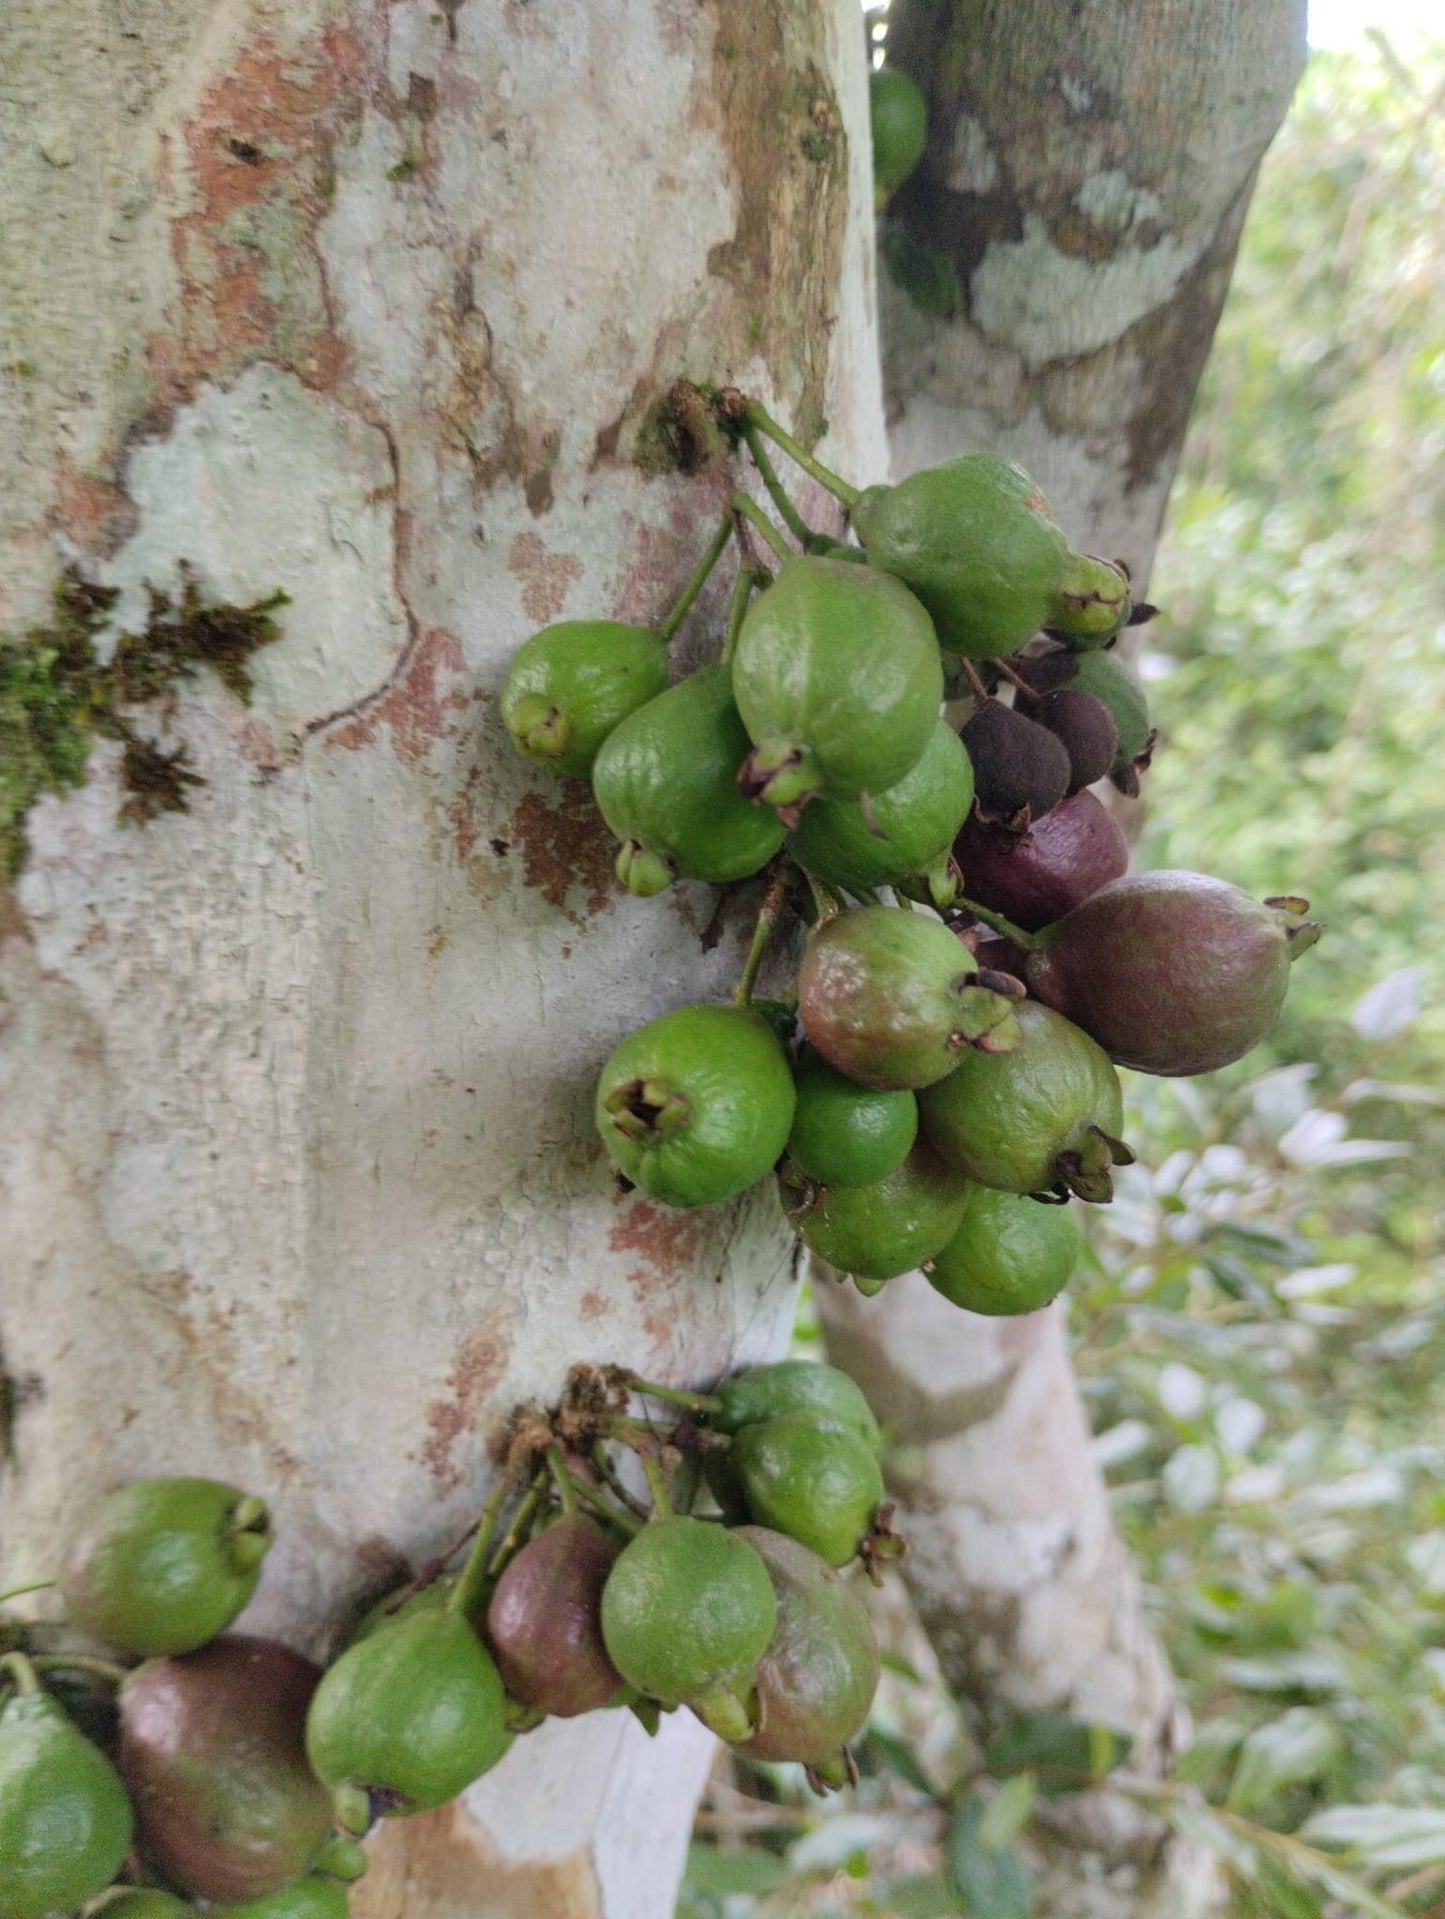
(657, 1486)
(1026, 942)
(521, 1523)
(591, 1497)
(759, 417)
(748, 507)
(768, 473)
(767, 921)
(699, 579)
(19, 1592)
(737, 608)
(673, 1395)
(613, 1480)
(26, 1682)
(562, 1480)
(106, 1669)
(472, 1583)
(825, 901)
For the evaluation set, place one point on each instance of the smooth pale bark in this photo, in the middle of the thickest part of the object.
(298, 1180)
(1087, 176)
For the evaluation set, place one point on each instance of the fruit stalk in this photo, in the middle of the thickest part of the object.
(748, 508)
(589, 1496)
(768, 916)
(768, 474)
(467, 1592)
(1026, 942)
(668, 627)
(756, 415)
(748, 579)
(22, 1669)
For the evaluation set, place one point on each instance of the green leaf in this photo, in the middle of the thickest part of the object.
(892, 1661)
(930, 1898)
(884, 1751)
(992, 1880)
(710, 1869)
(1008, 1811)
(1400, 1838)
(1056, 1745)
(1293, 1750)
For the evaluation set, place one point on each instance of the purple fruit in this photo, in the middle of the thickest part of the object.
(1172, 973)
(1085, 728)
(545, 1623)
(1059, 863)
(1020, 771)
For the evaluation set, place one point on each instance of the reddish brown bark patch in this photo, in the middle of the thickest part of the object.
(668, 1245)
(546, 576)
(418, 706)
(439, 1864)
(593, 1306)
(481, 1362)
(566, 848)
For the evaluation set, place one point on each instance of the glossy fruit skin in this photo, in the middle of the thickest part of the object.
(817, 1679)
(65, 1820)
(572, 683)
(310, 1898)
(161, 1566)
(1021, 771)
(213, 1754)
(888, 997)
(430, 1598)
(838, 665)
(1005, 1118)
(544, 1620)
(905, 829)
(1066, 856)
(1010, 1255)
(665, 780)
(976, 542)
(416, 1711)
(144, 1902)
(822, 1393)
(818, 1484)
(1173, 973)
(876, 1232)
(845, 1134)
(686, 1615)
(725, 1097)
(898, 116)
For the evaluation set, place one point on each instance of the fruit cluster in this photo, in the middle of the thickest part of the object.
(225, 1769)
(977, 963)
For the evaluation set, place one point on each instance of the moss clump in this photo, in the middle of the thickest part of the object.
(57, 696)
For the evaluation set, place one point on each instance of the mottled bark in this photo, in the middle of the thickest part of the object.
(373, 302)
(1086, 179)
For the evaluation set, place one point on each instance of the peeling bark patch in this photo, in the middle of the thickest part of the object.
(480, 1364)
(593, 1306)
(669, 1247)
(433, 1865)
(546, 576)
(566, 847)
(418, 709)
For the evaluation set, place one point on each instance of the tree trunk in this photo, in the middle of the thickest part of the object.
(1083, 193)
(375, 302)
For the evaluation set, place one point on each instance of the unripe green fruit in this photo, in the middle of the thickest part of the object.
(890, 998)
(821, 1393)
(163, 1565)
(818, 1484)
(975, 540)
(837, 677)
(1010, 1254)
(309, 1898)
(666, 784)
(144, 1902)
(876, 1232)
(845, 1134)
(686, 1615)
(1044, 1118)
(906, 829)
(410, 1715)
(898, 115)
(817, 1679)
(696, 1105)
(65, 1820)
(572, 683)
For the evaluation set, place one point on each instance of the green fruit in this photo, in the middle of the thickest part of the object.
(212, 1751)
(1172, 973)
(889, 998)
(898, 114)
(837, 677)
(65, 1820)
(817, 1679)
(906, 829)
(696, 1105)
(431, 1598)
(572, 683)
(975, 540)
(666, 784)
(1010, 1255)
(309, 1898)
(822, 1393)
(410, 1716)
(1042, 1119)
(144, 1902)
(818, 1484)
(163, 1565)
(845, 1134)
(686, 1615)
(876, 1232)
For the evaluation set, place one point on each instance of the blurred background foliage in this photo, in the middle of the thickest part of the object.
(1260, 1324)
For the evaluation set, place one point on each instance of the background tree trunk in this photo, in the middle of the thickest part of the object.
(1086, 181)
(374, 300)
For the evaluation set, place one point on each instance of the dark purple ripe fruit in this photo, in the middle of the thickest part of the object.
(1172, 973)
(545, 1623)
(1059, 862)
(1085, 728)
(1020, 771)
(213, 1754)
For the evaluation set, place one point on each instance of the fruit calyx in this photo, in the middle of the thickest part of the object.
(541, 729)
(1299, 932)
(1086, 1170)
(781, 776)
(649, 1110)
(249, 1528)
(643, 873)
(1093, 602)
